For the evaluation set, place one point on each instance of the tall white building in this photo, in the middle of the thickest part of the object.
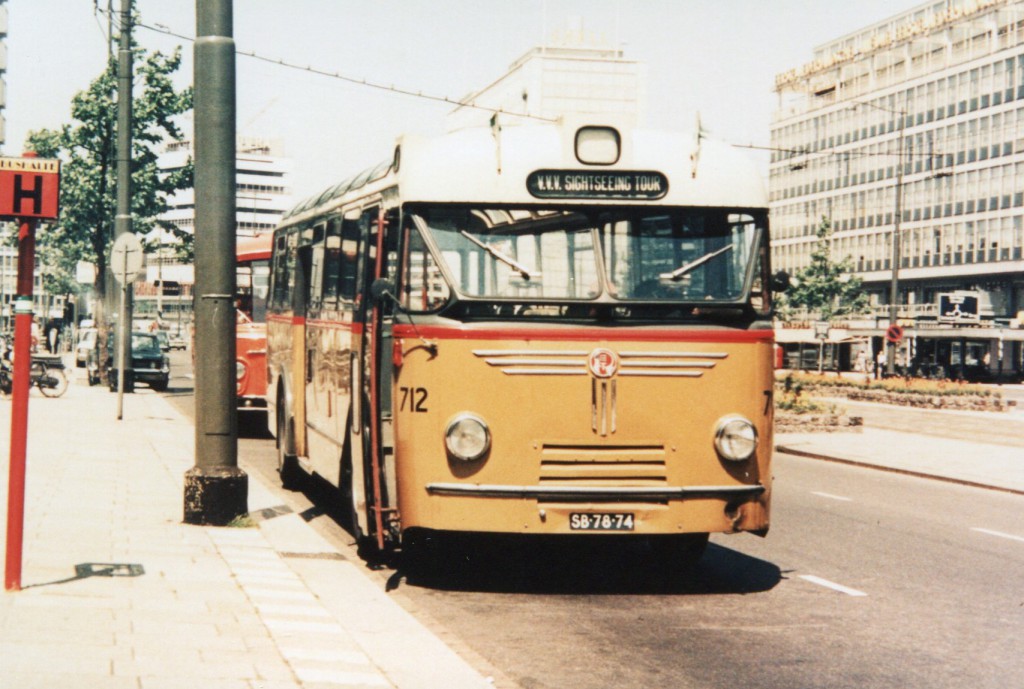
(262, 196)
(924, 112)
(574, 72)
(261, 182)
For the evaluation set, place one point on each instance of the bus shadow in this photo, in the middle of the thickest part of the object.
(497, 563)
(594, 566)
(253, 425)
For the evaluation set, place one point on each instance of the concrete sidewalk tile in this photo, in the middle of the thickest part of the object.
(190, 683)
(335, 676)
(153, 642)
(58, 659)
(179, 666)
(285, 611)
(190, 630)
(278, 684)
(55, 680)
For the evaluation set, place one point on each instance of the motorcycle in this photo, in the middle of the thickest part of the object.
(45, 373)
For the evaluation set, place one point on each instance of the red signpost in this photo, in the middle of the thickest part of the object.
(29, 190)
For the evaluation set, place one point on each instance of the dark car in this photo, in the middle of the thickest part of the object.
(149, 363)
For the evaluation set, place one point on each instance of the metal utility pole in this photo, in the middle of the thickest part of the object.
(216, 489)
(894, 283)
(123, 219)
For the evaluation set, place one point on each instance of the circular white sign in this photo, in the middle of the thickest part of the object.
(126, 257)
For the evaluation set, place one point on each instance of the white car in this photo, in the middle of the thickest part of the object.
(85, 345)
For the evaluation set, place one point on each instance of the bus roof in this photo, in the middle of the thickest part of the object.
(253, 248)
(538, 164)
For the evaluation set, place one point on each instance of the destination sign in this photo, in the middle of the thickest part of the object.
(591, 184)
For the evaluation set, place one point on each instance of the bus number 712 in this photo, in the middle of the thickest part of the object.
(413, 399)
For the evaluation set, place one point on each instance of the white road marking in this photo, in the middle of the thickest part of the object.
(832, 585)
(998, 533)
(833, 497)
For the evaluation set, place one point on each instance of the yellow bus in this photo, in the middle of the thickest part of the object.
(557, 328)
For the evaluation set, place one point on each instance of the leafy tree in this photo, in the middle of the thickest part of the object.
(88, 150)
(826, 286)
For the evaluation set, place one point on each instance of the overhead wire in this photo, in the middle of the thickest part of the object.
(280, 62)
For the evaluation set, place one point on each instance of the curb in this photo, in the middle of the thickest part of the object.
(785, 449)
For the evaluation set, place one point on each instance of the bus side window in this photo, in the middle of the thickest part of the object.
(348, 259)
(423, 287)
(281, 298)
(316, 279)
(332, 263)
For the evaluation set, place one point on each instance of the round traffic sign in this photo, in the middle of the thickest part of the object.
(126, 257)
(894, 333)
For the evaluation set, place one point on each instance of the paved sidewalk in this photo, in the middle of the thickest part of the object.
(118, 592)
(971, 463)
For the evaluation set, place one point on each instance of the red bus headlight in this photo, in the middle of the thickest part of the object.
(467, 437)
(735, 438)
(241, 371)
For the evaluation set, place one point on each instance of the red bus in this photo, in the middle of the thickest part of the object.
(253, 283)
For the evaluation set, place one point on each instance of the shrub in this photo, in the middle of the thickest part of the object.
(909, 386)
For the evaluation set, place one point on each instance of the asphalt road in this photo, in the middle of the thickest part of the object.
(867, 579)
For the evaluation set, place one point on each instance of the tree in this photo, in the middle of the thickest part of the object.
(825, 286)
(88, 150)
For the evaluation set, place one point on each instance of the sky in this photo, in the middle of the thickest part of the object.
(715, 57)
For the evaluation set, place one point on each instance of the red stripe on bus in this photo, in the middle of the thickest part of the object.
(587, 334)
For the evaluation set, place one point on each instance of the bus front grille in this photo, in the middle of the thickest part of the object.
(602, 466)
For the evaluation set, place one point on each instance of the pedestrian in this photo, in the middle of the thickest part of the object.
(880, 363)
(37, 334)
(861, 364)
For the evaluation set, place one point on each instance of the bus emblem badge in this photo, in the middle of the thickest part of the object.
(603, 363)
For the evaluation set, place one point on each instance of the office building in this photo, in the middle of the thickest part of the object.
(921, 114)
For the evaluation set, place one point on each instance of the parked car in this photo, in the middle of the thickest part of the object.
(149, 363)
(85, 345)
(178, 341)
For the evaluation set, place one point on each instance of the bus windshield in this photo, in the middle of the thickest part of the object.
(253, 281)
(618, 255)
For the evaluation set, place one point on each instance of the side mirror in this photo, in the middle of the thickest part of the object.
(781, 281)
(383, 289)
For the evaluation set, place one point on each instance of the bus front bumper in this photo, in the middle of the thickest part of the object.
(593, 493)
(549, 509)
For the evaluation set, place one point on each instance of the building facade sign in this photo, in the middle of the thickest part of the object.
(959, 307)
(881, 41)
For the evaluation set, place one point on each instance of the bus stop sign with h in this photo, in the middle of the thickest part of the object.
(29, 191)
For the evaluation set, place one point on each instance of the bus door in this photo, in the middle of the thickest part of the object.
(299, 375)
(375, 379)
(323, 446)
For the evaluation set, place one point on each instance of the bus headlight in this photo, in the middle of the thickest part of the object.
(735, 438)
(241, 371)
(467, 437)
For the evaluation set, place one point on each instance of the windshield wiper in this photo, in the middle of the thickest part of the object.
(682, 270)
(507, 260)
